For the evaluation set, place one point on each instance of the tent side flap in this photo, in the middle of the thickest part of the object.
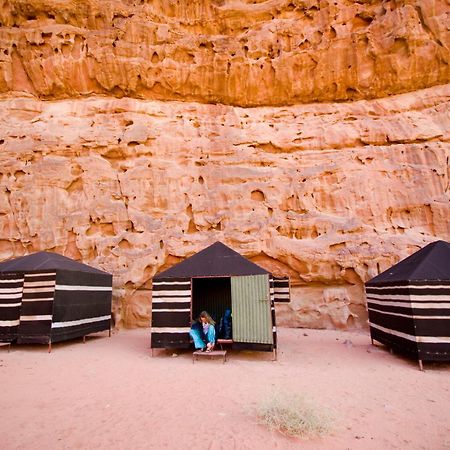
(37, 308)
(171, 313)
(11, 286)
(282, 293)
(413, 319)
(82, 304)
(251, 306)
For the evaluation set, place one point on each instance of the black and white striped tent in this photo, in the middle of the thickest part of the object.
(215, 279)
(46, 297)
(409, 304)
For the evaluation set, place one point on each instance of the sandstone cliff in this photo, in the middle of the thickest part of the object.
(171, 157)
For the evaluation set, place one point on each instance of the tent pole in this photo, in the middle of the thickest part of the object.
(84, 339)
(50, 347)
(421, 365)
(275, 355)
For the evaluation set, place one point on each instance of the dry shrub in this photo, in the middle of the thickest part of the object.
(294, 415)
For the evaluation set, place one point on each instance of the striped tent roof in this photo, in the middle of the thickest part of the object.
(214, 261)
(45, 261)
(430, 263)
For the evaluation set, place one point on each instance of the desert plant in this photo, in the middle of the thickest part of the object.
(294, 415)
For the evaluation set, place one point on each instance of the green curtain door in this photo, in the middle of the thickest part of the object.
(250, 300)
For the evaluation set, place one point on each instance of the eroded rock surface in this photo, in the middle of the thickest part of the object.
(237, 52)
(329, 194)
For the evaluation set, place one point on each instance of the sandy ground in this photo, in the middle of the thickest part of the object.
(111, 394)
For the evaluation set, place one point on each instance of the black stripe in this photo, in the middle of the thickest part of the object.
(43, 338)
(34, 327)
(76, 305)
(432, 327)
(62, 334)
(11, 284)
(171, 305)
(409, 283)
(395, 342)
(8, 334)
(412, 311)
(411, 291)
(7, 301)
(174, 287)
(31, 295)
(72, 278)
(171, 319)
(434, 352)
(173, 280)
(396, 309)
(170, 340)
(39, 278)
(397, 323)
(36, 308)
(11, 313)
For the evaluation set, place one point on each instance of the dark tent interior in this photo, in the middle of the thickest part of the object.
(212, 295)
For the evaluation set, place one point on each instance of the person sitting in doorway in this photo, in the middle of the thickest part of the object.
(203, 332)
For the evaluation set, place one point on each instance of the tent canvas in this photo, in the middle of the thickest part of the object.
(58, 299)
(409, 304)
(215, 279)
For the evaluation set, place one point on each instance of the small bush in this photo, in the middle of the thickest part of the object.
(293, 415)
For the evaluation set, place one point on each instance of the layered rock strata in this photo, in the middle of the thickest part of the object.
(237, 52)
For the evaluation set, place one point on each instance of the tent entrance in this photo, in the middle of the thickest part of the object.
(212, 295)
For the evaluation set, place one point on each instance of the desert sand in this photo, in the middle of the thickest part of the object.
(111, 394)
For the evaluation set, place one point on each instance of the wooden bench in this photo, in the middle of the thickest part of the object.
(222, 353)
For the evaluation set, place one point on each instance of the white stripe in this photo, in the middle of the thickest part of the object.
(170, 330)
(11, 290)
(282, 289)
(443, 297)
(5, 296)
(29, 300)
(37, 290)
(69, 287)
(274, 329)
(180, 292)
(409, 316)
(44, 274)
(412, 286)
(49, 283)
(169, 283)
(8, 323)
(73, 323)
(422, 339)
(171, 300)
(9, 305)
(171, 310)
(11, 280)
(31, 318)
(412, 305)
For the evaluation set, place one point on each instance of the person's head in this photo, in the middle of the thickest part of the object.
(206, 318)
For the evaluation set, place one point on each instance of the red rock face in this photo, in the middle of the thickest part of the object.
(327, 193)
